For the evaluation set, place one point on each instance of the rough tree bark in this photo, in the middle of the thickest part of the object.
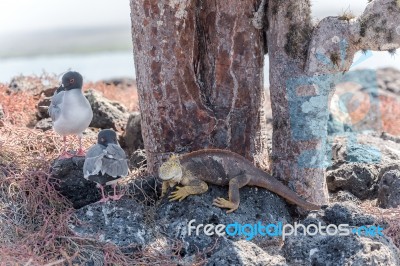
(199, 75)
(199, 69)
(306, 62)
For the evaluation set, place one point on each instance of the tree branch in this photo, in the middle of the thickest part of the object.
(289, 30)
(336, 39)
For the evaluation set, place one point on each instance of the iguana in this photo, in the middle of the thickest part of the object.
(220, 167)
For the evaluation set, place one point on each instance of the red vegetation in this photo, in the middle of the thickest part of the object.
(33, 215)
(390, 113)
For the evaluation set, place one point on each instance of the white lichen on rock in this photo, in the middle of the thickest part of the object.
(89, 213)
(335, 39)
(180, 6)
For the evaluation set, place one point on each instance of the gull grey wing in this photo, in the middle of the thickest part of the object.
(115, 151)
(93, 161)
(56, 105)
(114, 168)
(114, 163)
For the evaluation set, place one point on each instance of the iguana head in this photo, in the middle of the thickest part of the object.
(171, 170)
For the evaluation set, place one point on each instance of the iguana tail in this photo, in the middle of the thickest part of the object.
(272, 184)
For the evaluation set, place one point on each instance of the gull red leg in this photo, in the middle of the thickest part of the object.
(80, 152)
(116, 196)
(65, 154)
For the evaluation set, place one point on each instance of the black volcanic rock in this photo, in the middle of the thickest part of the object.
(71, 183)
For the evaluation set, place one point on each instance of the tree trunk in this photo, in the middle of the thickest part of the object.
(305, 64)
(298, 134)
(199, 69)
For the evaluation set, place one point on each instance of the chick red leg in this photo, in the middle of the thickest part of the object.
(116, 196)
(103, 196)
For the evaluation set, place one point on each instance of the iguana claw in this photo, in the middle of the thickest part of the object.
(226, 204)
(179, 194)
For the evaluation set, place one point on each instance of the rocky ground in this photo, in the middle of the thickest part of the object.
(50, 213)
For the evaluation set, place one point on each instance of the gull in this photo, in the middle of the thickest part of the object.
(70, 111)
(106, 163)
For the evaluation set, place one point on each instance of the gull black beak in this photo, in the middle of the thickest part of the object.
(61, 88)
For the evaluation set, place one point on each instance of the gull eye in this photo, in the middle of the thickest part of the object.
(71, 81)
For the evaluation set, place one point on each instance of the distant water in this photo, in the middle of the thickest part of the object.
(106, 65)
(93, 67)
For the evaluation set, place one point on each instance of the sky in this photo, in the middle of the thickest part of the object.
(20, 18)
(17, 16)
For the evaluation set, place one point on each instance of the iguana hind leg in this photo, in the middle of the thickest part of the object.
(234, 197)
(191, 187)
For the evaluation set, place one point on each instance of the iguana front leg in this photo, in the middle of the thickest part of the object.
(164, 188)
(234, 197)
(191, 187)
